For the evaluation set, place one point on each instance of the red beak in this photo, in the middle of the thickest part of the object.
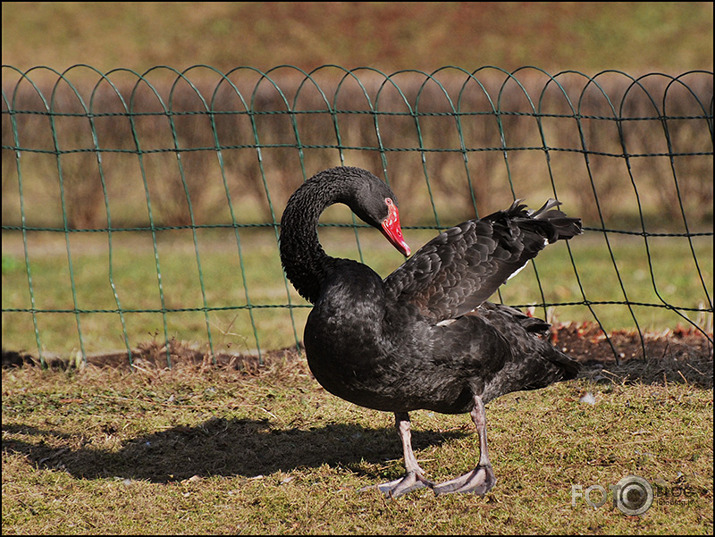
(392, 230)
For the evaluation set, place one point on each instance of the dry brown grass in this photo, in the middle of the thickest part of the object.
(204, 449)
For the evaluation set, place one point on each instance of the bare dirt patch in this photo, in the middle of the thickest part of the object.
(680, 355)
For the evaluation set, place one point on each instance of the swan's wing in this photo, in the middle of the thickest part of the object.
(460, 268)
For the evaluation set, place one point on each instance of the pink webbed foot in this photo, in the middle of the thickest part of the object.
(480, 481)
(414, 477)
(409, 482)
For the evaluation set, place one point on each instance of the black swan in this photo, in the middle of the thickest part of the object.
(424, 337)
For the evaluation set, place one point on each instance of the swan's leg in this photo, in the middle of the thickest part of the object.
(414, 476)
(482, 478)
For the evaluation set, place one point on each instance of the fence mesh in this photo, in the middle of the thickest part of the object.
(148, 205)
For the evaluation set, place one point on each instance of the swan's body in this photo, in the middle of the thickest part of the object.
(424, 337)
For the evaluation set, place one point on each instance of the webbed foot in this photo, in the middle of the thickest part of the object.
(409, 482)
(480, 481)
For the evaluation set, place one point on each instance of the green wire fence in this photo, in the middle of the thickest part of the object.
(147, 206)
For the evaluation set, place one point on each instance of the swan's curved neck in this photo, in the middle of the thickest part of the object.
(303, 258)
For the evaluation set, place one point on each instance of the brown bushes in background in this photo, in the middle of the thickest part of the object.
(180, 149)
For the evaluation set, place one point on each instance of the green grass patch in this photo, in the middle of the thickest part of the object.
(663, 273)
(216, 451)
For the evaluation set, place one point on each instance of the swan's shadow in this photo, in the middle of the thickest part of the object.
(228, 447)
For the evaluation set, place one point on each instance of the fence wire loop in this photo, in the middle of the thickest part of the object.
(192, 159)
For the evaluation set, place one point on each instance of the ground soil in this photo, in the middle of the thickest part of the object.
(680, 355)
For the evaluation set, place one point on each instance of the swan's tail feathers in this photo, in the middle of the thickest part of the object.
(562, 227)
(568, 368)
(555, 365)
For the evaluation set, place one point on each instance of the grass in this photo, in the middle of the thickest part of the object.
(135, 277)
(217, 451)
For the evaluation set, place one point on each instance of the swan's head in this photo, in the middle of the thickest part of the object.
(375, 203)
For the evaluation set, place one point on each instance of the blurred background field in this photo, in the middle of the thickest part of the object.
(638, 37)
